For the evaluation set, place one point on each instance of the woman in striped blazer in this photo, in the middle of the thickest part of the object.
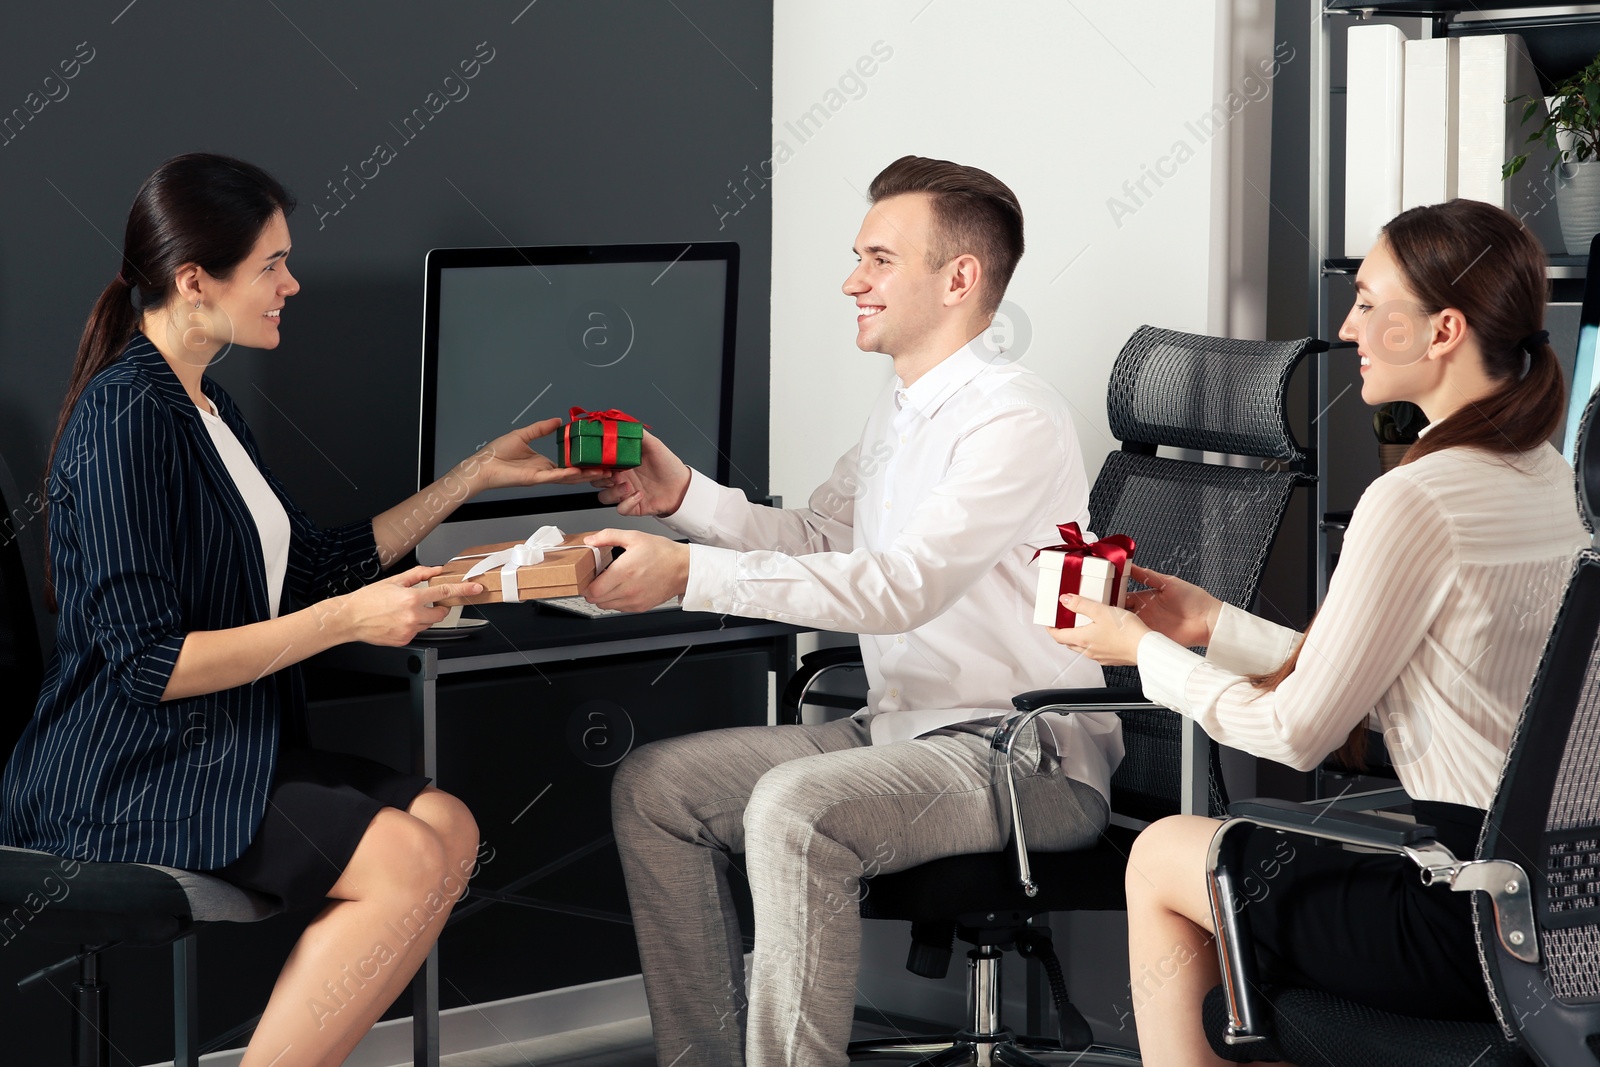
(170, 727)
(1447, 586)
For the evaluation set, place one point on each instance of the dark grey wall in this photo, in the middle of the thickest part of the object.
(600, 121)
(595, 121)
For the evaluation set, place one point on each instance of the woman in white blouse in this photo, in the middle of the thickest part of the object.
(1448, 583)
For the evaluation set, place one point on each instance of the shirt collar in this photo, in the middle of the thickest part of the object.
(928, 393)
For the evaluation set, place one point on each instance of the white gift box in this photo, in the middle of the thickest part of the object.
(1099, 583)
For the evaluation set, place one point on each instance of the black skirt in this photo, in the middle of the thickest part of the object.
(318, 808)
(1362, 926)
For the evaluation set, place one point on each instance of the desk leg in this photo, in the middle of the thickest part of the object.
(425, 1012)
(785, 658)
(424, 667)
(783, 655)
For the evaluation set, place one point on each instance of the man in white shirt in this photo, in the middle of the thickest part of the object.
(920, 542)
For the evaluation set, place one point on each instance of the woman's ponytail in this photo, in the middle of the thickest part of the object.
(105, 335)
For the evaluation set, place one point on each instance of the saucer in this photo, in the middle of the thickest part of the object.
(450, 630)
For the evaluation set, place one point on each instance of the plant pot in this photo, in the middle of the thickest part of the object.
(1578, 199)
(1389, 456)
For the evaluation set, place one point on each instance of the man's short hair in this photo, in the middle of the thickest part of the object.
(973, 212)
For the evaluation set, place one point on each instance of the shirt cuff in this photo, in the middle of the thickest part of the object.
(694, 516)
(1164, 670)
(712, 574)
(1245, 644)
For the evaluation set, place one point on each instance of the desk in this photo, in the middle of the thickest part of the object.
(526, 635)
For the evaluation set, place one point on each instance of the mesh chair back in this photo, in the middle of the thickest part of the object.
(1546, 817)
(1209, 524)
(21, 665)
(1212, 394)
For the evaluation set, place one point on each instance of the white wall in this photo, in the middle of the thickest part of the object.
(1065, 101)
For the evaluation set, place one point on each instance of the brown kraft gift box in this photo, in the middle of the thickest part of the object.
(564, 572)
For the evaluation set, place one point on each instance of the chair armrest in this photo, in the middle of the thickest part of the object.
(1236, 953)
(1030, 706)
(1040, 698)
(1505, 882)
(813, 665)
(1368, 829)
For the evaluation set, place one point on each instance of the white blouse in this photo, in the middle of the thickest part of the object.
(272, 522)
(1449, 580)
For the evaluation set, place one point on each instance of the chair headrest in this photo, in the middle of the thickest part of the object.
(1213, 394)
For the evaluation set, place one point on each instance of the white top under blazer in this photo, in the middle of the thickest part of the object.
(272, 522)
(1449, 580)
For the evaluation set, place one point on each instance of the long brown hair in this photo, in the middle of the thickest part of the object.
(198, 208)
(1478, 259)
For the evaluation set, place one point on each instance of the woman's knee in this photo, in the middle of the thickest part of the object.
(453, 821)
(399, 855)
(1167, 866)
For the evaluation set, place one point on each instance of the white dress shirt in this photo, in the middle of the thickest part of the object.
(1448, 583)
(922, 542)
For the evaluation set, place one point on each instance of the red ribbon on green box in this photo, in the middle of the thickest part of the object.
(608, 420)
(1116, 550)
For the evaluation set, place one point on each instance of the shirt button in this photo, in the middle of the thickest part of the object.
(900, 640)
(886, 505)
(902, 438)
(708, 603)
(894, 692)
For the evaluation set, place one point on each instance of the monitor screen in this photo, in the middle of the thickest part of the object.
(1585, 371)
(513, 335)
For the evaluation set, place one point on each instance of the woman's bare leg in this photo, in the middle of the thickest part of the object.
(361, 951)
(1172, 960)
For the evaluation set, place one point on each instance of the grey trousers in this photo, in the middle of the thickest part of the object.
(814, 809)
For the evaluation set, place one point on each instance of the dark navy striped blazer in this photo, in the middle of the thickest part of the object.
(149, 539)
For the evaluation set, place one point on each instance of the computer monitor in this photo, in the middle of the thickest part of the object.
(1585, 368)
(511, 335)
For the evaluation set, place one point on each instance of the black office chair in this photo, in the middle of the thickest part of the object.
(1207, 523)
(95, 905)
(1537, 877)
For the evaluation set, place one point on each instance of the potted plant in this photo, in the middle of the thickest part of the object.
(1397, 425)
(1571, 131)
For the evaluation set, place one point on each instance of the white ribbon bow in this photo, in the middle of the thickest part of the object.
(544, 539)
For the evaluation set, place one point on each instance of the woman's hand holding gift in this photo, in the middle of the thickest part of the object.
(509, 460)
(1112, 636)
(1171, 606)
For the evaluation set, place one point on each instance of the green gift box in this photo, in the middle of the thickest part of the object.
(610, 438)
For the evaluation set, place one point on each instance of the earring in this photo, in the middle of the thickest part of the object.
(197, 305)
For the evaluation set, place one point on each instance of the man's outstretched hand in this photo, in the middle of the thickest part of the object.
(655, 487)
(650, 571)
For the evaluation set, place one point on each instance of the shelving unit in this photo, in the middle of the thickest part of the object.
(1561, 39)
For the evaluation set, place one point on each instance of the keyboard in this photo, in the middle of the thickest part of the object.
(576, 605)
